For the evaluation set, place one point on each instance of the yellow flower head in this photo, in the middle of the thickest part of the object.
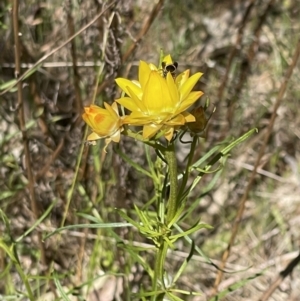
(159, 103)
(105, 123)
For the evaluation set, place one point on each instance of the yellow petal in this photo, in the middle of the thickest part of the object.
(182, 78)
(191, 99)
(156, 95)
(144, 73)
(107, 142)
(150, 130)
(129, 103)
(173, 90)
(188, 117)
(93, 114)
(93, 136)
(178, 120)
(188, 85)
(152, 67)
(139, 104)
(169, 134)
(86, 119)
(168, 59)
(124, 83)
(137, 118)
(116, 136)
(112, 110)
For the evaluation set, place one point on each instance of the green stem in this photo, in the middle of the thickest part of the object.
(187, 170)
(159, 269)
(172, 202)
(172, 205)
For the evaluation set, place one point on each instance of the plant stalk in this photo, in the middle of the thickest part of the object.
(172, 202)
(172, 205)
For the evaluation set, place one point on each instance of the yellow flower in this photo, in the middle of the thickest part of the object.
(105, 123)
(158, 103)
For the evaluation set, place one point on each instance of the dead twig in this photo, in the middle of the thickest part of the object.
(22, 125)
(282, 275)
(78, 100)
(144, 29)
(54, 156)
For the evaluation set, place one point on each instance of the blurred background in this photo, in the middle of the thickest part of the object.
(243, 48)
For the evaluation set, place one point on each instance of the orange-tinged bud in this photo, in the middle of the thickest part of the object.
(105, 123)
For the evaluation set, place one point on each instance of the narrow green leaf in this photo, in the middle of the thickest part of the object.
(8, 84)
(37, 222)
(143, 218)
(60, 289)
(8, 251)
(236, 142)
(138, 167)
(11, 85)
(191, 230)
(199, 251)
(234, 287)
(8, 137)
(7, 194)
(184, 292)
(173, 297)
(89, 217)
(128, 219)
(209, 154)
(89, 226)
(138, 258)
(184, 264)
(147, 294)
(216, 158)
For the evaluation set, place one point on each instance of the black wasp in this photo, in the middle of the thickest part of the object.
(169, 68)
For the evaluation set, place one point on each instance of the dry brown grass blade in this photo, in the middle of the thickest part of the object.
(78, 101)
(81, 252)
(54, 156)
(234, 50)
(282, 275)
(20, 78)
(144, 29)
(20, 107)
(257, 163)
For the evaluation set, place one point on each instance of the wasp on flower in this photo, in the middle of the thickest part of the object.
(157, 101)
